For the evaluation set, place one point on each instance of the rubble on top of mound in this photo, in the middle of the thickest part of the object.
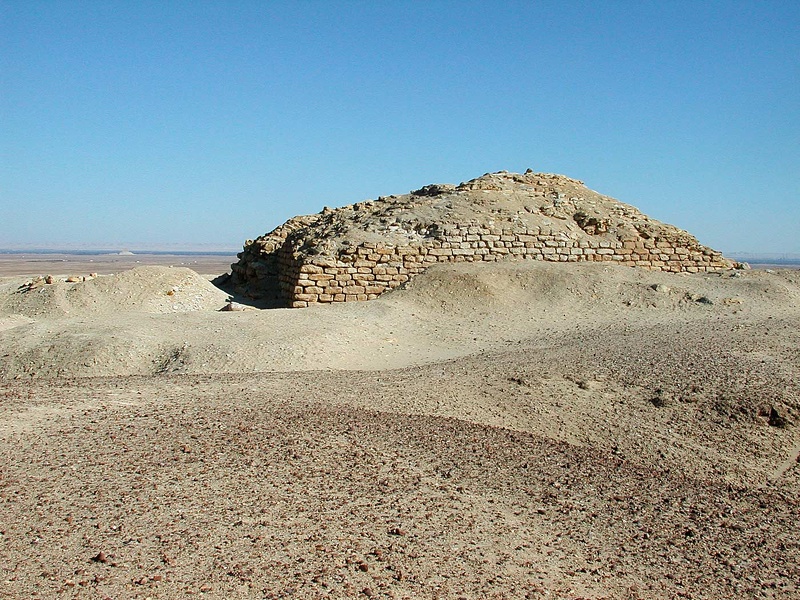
(367, 248)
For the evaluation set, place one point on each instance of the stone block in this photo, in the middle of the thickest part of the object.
(311, 269)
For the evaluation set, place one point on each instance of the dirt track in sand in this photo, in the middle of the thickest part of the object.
(523, 432)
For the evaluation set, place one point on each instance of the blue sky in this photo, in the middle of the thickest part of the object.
(140, 124)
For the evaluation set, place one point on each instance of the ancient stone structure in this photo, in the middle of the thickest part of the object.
(360, 251)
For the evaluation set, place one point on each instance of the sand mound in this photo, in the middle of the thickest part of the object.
(148, 289)
(579, 287)
(449, 311)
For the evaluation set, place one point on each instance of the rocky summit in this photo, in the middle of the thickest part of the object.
(359, 251)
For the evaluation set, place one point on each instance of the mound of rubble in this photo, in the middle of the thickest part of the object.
(360, 251)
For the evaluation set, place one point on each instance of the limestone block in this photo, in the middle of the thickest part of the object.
(306, 297)
(311, 269)
(354, 289)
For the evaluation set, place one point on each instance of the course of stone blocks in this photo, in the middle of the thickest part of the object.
(360, 251)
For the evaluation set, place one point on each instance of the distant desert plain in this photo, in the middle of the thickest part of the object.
(514, 429)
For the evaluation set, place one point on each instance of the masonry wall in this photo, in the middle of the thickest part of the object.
(365, 271)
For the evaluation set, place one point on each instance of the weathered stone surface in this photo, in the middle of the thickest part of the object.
(357, 252)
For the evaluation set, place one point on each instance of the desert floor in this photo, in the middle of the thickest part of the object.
(514, 430)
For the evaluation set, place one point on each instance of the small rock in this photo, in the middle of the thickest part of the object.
(49, 279)
(234, 306)
(776, 419)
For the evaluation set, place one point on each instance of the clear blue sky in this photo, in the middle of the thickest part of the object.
(143, 123)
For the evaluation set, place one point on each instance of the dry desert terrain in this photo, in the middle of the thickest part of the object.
(503, 430)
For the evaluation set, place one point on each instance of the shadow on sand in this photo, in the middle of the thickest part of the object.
(270, 296)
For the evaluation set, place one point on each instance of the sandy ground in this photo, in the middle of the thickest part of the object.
(514, 430)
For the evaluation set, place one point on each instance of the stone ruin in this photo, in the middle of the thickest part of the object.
(360, 251)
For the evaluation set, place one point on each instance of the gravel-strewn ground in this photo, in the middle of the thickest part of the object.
(629, 443)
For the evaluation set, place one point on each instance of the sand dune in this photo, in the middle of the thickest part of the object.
(508, 430)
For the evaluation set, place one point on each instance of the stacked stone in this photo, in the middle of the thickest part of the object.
(308, 261)
(364, 272)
